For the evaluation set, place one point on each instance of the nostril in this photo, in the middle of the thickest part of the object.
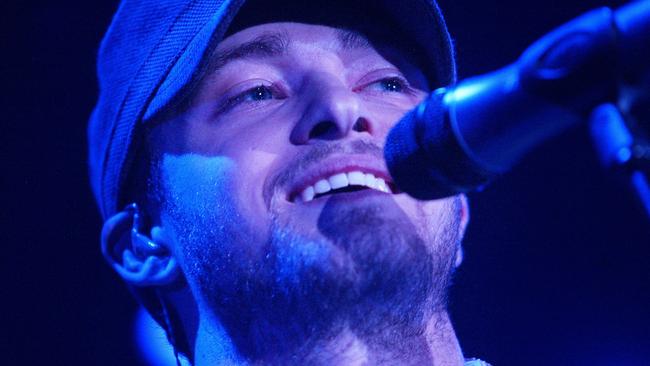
(361, 125)
(322, 130)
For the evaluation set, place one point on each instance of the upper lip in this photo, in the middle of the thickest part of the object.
(334, 164)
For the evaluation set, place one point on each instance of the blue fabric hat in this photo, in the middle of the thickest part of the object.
(153, 48)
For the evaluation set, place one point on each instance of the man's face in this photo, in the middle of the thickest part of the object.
(274, 187)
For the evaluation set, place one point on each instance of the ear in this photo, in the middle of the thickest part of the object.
(139, 259)
(464, 220)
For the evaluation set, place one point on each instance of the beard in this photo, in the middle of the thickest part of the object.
(367, 267)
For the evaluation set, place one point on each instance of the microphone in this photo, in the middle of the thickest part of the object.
(462, 137)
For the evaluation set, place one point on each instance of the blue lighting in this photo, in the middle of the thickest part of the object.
(152, 343)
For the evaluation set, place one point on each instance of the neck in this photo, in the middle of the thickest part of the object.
(434, 344)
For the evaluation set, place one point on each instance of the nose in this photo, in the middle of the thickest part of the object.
(331, 111)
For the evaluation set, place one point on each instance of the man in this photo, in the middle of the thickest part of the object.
(266, 229)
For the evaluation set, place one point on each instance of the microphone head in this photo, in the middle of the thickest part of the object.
(425, 157)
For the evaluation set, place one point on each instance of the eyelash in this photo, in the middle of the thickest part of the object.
(241, 97)
(401, 86)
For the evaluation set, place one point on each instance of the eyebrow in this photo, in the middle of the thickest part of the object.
(277, 44)
(350, 40)
(266, 45)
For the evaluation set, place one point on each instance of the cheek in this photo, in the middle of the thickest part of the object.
(207, 193)
(196, 183)
(255, 152)
(387, 115)
(252, 145)
(240, 135)
(252, 176)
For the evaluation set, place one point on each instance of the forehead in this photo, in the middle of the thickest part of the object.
(305, 32)
(278, 39)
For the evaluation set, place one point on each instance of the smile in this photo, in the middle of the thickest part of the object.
(342, 182)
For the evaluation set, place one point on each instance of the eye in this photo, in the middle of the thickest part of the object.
(250, 97)
(256, 94)
(391, 84)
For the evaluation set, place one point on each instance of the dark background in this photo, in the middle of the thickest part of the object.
(556, 254)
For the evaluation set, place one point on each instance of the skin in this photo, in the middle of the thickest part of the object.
(355, 278)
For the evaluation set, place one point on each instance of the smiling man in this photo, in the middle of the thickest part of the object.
(265, 229)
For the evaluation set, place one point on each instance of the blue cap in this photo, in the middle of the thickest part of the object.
(153, 48)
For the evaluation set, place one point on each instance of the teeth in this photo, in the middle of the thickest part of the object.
(322, 186)
(308, 194)
(341, 180)
(371, 181)
(381, 185)
(356, 178)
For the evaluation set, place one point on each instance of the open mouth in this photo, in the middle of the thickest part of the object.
(342, 183)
